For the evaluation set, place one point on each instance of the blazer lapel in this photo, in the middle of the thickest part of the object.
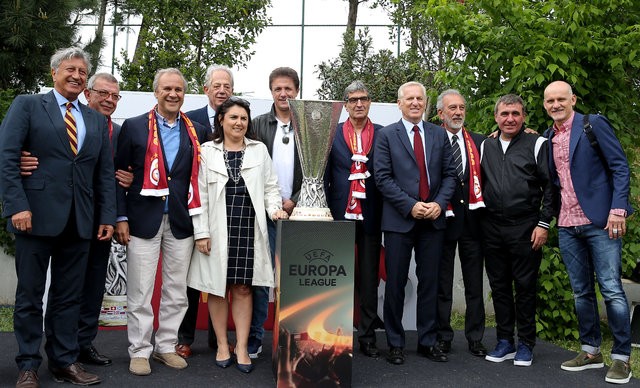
(50, 105)
(92, 129)
(576, 131)
(428, 140)
(404, 139)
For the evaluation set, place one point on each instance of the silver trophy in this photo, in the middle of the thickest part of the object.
(314, 124)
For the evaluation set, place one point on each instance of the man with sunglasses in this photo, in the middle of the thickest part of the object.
(275, 131)
(352, 195)
(102, 94)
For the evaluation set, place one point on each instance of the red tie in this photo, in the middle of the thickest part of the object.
(70, 123)
(110, 124)
(418, 150)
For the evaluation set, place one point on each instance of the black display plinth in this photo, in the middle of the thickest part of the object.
(313, 330)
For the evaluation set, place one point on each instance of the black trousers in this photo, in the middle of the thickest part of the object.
(511, 265)
(187, 330)
(368, 264)
(93, 292)
(427, 243)
(68, 253)
(472, 266)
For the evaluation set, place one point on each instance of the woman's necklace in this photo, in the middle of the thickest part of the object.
(230, 170)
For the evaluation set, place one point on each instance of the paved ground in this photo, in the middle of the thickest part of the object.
(463, 370)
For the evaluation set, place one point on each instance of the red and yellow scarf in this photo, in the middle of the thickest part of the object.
(475, 180)
(155, 176)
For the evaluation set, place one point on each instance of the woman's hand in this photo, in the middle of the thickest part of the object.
(279, 215)
(204, 245)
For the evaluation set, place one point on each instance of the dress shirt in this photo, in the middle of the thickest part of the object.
(170, 138)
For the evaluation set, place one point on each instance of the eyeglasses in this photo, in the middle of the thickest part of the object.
(240, 101)
(105, 94)
(354, 100)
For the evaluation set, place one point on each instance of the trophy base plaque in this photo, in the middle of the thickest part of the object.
(311, 214)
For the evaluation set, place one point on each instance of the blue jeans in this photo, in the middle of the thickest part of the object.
(261, 294)
(587, 249)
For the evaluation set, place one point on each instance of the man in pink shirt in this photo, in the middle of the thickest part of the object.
(589, 166)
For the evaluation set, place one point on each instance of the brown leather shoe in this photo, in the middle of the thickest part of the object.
(183, 350)
(74, 374)
(28, 379)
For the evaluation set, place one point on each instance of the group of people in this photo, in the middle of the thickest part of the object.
(216, 180)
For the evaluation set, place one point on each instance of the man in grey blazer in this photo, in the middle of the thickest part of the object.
(52, 211)
(416, 177)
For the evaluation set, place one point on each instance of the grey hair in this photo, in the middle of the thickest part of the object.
(440, 104)
(105, 76)
(64, 54)
(510, 99)
(212, 69)
(355, 86)
(410, 83)
(168, 70)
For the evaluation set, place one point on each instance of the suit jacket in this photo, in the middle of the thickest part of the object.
(265, 129)
(201, 116)
(460, 201)
(397, 175)
(338, 185)
(145, 213)
(61, 180)
(599, 188)
(114, 137)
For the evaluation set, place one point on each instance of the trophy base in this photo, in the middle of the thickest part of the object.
(311, 214)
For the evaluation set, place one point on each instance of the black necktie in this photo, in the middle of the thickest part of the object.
(457, 155)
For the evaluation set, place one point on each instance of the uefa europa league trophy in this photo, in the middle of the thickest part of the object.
(314, 124)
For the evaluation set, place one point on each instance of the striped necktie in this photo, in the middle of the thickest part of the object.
(72, 131)
(457, 155)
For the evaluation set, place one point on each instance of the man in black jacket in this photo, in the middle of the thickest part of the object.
(275, 131)
(519, 199)
(463, 228)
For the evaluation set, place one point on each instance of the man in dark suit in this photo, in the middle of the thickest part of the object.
(218, 86)
(352, 195)
(275, 131)
(463, 229)
(102, 94)
(162, 148)
(52, 213)
(594, 202)
(416, 177)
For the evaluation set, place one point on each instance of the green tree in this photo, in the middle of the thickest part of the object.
(32, 31)
(519, 47)
(191, 35)
(382, 72)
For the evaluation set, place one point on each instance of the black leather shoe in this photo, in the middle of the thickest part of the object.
(91, 356)
(74, 374)
(244, 368)
(433, 353)
(395, 356)
(477, 348)
(369, 349)
(444, 346)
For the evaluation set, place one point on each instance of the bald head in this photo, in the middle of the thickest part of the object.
(559, 101)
